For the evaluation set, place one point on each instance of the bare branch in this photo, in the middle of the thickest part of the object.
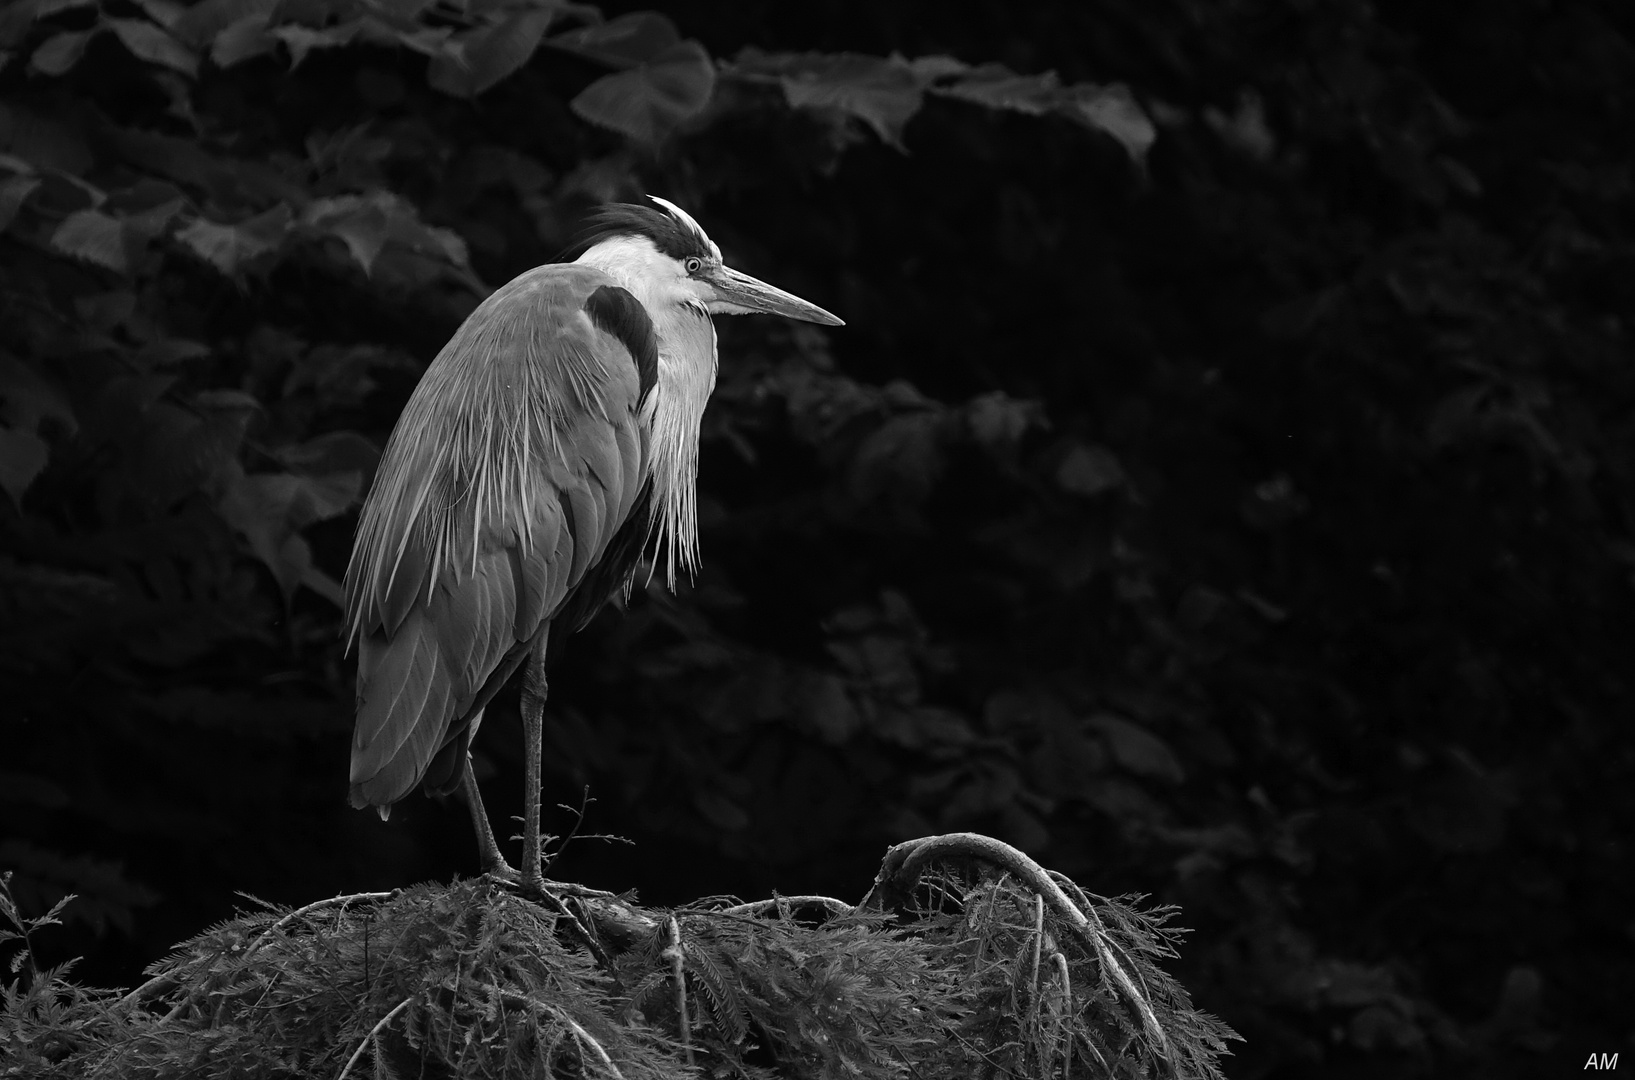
(373, 1033)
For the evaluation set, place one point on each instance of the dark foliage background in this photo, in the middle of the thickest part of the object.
(1222, 490)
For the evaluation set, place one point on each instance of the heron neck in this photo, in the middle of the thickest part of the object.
(686, 377)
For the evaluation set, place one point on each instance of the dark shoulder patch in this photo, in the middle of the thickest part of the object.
(616, 311)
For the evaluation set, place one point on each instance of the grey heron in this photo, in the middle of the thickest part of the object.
(551, 443)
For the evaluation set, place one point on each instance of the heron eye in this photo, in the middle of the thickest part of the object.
(692, 264)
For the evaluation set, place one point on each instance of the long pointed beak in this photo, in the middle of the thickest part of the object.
(740, 294)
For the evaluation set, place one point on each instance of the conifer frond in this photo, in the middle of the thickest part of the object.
(473, 980)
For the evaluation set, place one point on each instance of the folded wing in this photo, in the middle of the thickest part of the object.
(518, 460)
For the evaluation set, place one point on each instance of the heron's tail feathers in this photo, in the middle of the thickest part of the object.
(404, 710)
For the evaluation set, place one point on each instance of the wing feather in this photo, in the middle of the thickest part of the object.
(517, 460)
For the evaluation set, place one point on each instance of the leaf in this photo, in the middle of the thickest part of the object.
(897, 463)
(335, 452)
(624, 42)
(23, 457)
(930, 68)
(998, 87)
(147, 42)
(93, 236)
(242, 40)
(14, 192)
(652, 99)
(44, 9)
(1137, 749)
(45, 143)
(27, 400)
(229, 247)
(201, 24)
(34, 790)
(884, 93)
(1089, 471)
(475, 61)
(720, 811)
(163, 12)
(999, 420)
(270, 509)
(1111, 110)
(360, 223)
(171, 351)
(301, 40)
(823, 703)
(58, 54)
(403, 9)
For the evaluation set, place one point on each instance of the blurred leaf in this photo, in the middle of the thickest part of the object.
(93, 236)
(27, 399)
(626, 41)
(243, 39)
(477, 60)
(44, 142)
(1137, 749)
(360, 223)
(999, 421)
(269, 510)
(334, 453)
(201, 24)
(720, 811)
(649, 101)
(147, 42)
(163, 12)
(1089, 471)
(897, 463)
(229, 247)
(1111, 110)
(1459, 811)
(998, 87)
(33, 790)
(23, 457)
(827, 708)
(365, 224)
(882, 92)
(58, 54)
(301, 40)
(14, 192)
(104, 895)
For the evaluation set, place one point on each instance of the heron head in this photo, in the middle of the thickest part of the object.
(667, 258)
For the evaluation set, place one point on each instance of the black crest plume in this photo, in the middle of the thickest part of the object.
(670, 236)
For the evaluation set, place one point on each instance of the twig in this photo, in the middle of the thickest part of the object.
(314, 906)
(373, 1033)
(904, 862)
(678, 969)
(756, 907)
(578, 820)
(583, 1035)
(1067, 1011)
(585, 936)
(1038, 946)
(153, 987)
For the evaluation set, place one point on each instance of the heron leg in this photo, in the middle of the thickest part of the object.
(533, 737)
(493, 862)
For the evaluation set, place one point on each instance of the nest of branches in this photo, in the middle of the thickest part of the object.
(966, 958)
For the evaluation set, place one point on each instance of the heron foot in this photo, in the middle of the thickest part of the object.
(503, 872)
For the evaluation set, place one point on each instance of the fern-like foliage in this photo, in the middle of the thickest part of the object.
(968, 973)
